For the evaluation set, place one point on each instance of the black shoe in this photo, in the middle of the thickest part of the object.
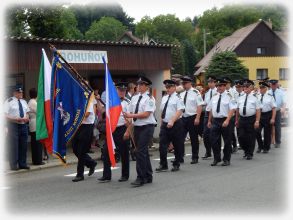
(123, 179)
(161, 169)
(149, 180)
(249, 157)
(25, 168)
(194, 161)
(92, 169)
(265, 151)
(235, 149)
(206, 156)
(14, 168)
(258, 151)
(226, 163)
(42, 163)
(137, 183)
(215, 162)
(181, 160)
(245, 155)
(104, 180)
(78, 178)
(175, 168)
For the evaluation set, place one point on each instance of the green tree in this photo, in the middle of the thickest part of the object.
(226, 64)
(177, 56)
(107, 28)
(16, 24)
(91, 12)
(146, 26)
(69, 24)
(189, 57)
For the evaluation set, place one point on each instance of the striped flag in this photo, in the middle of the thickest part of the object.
(44, 127)
(113, 110)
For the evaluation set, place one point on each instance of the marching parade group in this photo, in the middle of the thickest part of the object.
(227, 113)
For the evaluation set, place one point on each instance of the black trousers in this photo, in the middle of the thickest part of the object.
(175, 136)
(267, 128)
(233, 136)
(37, 150)
(217, 131)
(17, 145)
(123, 146)
(142, 137)
(278, 128)
(188, 126)
(247, 134)
(206, 135)
(81, 144)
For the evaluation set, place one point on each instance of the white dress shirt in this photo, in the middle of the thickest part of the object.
(193, 100)
(175, 104)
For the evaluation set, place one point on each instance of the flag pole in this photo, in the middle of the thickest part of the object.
(79, 77)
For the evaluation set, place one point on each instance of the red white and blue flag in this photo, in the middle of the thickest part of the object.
(113, 111)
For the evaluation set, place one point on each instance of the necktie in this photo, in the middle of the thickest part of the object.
(137, 105)
(211, 94)
(21, 114)
(261, 98)
(184, 100)
(244, 107)
(274, 95)
(165, 108)
(239, 94)
(218, 105)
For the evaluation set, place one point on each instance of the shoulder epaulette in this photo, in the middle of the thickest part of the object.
(127, 100)
(270, 94)
(255, 94)
(10, 99)
(197, 92)
(229, 94)
(215, 94)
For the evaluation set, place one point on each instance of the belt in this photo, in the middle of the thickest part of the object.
(141, 126)
(189, 116)
(224, 118)
(268, 112)
(248, 117)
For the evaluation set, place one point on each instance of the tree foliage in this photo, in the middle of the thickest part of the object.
(93, 12)
(226, 64)
(107, 28)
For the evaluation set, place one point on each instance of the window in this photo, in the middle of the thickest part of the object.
(260, 50)
(283, 74)
(261, 73)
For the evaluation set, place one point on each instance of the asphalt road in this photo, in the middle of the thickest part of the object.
(245, 187)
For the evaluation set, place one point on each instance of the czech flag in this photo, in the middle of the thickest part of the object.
(113, 111)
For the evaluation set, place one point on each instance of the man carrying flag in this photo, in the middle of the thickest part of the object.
(44, 125)
(121, 139)
(113, 111)
(70, 100)
(142, 107)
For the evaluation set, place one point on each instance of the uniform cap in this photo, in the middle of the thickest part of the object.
(186, 79)
(144, 80)
(227, 79)
(248, 82)
(212, 78)
(18, 88)
(121, 85)
(221, 81)
(273, 81)
(262, 83)
(169, 82)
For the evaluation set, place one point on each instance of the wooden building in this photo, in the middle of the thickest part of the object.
(260, 49)
(126, 61)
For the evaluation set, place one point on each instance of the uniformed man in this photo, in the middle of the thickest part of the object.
(121, 138)
(81, 143)
(279, 97)
(221, 109)
(191, 117)
(16, 113)
(239, 92)
(267, 118)
(247, 119)
(171, 127)
(232, 92)
(141, 109)
(206, 130)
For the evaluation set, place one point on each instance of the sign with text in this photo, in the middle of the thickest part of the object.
(84, 56)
